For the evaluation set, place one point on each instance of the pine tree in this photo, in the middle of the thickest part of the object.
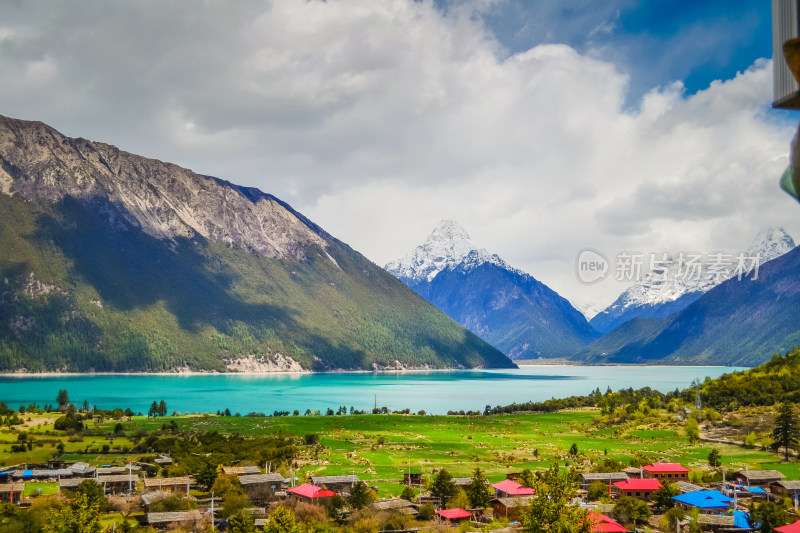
(786, 430)
(153, 412)
(62, 398)
(443, 488)
(360, 496)
(162, 408)
(478, 490)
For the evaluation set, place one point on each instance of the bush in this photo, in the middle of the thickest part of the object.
(597, 490)
(426, 512)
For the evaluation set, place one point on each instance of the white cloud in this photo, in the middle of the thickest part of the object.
(378, 118)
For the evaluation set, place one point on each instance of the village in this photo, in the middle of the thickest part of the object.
(721, 507)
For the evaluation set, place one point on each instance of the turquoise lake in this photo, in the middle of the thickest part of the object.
(436, 392)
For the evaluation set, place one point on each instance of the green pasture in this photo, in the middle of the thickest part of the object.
(379, 448)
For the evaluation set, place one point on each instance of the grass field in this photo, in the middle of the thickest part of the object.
(382, 447)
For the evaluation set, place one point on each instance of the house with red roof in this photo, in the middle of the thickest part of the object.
(790, 528)
(604, 524)
(310, 493)
(507, 488)
(637, 488)
(454, 515)
(671, 472)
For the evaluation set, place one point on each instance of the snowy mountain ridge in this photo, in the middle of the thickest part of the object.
(447, 247)
(670, 279)
(673, 282)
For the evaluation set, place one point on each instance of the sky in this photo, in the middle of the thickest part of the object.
(542, 127)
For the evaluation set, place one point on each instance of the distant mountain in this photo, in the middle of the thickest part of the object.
(738, 322)
(114, 262)
(666, 290)
(503, 305)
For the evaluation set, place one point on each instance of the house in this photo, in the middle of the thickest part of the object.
(412, 478)
(669, 472)
(738, 521)
(396, 504)
(794, 527)
(149, 498)
(172, 484)
(762, 478)
(11, 492)
(508, 488)
(637, 488)
(510, 507)
(685, 486)
(257, 484)
(310, 493)
(341, 484)
(163, 460)
(240, 470)
(116, 470)
(72, 483)
(604, 524)
(606, 478)
(118, 483)
(514, 476)
(454, 515)
(707, 501)
(81, 469)
(462, 482)
(31, 474)
(633, 471)
(165, 520)
(786, 488)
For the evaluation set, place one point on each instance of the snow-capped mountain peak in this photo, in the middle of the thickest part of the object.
(446, 246)
(770, 243)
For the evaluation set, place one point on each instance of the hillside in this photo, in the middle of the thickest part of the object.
(505, 306)
(770, 383)
(735, 323)
(115, 262)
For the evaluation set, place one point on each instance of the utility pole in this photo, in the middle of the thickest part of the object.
(212, 511)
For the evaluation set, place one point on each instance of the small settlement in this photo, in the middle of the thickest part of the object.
(719, 508)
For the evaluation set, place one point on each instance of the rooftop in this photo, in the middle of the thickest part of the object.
(512, 488)
(155, 482)
(256, 479)
(704, 499)
(638, 484)
(454, 514)
(665, 467)
(311, 491)
(756, 475)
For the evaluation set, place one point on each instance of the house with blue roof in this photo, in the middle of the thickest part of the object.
(708, 501)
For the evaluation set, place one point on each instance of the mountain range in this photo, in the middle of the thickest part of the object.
(505, 306)
(738, 322)
(115, 262)
(668, 287)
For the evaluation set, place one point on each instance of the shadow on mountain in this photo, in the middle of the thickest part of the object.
(132, 270)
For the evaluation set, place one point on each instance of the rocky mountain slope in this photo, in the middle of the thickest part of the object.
(668, 288)
(116, 262)
(738, 322)
(508, 308)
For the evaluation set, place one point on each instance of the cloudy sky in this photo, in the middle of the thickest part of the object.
(543, 127)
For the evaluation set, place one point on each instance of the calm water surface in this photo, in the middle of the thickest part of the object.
(435, 392)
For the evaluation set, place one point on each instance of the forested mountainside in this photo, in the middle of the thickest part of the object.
(115, 262)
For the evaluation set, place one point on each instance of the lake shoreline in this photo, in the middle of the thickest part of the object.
(190, 373)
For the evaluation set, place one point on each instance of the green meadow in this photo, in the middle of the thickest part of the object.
(380, 448)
